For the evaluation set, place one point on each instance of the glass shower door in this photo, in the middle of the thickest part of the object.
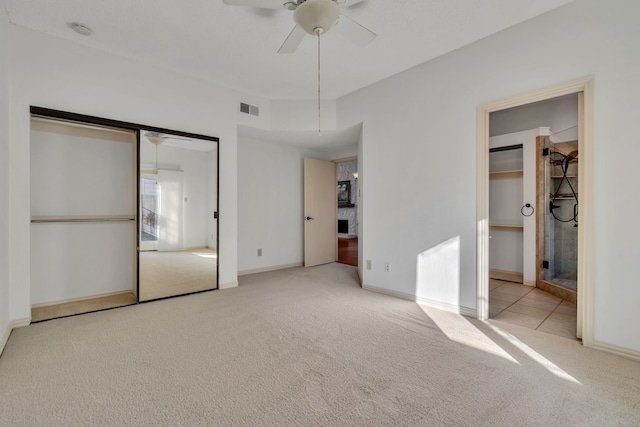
(560, 263)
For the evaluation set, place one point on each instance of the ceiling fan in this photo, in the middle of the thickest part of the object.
(157, 138)
(313, 17)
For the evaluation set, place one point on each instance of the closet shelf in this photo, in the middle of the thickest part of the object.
(82, 218)
(561, 176)
(517, 173)
(514, 227)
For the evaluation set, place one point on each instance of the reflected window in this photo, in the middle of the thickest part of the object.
(149, 207)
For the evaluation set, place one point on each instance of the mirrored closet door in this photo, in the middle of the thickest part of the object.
(178, 230)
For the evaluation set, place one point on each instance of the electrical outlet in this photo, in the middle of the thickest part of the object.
(368, 264)
(260, 252)
(387, 267)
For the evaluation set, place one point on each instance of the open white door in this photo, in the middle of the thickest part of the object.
(320, 212)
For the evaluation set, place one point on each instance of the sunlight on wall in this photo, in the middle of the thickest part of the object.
(169, 214)
(438, 272)
(170, 191)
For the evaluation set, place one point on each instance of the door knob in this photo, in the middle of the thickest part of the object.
(308, 218)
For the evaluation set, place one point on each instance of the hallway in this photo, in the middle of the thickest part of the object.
(348, 251)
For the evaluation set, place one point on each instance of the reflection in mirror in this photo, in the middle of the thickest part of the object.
(177, 228)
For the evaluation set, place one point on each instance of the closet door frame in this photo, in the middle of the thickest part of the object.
(48, 113)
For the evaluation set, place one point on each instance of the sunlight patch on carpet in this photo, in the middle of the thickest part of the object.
(458, 329)
(543, 361)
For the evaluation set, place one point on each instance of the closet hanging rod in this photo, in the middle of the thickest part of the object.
(81, 219)
(506, 148)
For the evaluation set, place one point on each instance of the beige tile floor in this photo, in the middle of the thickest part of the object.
(531, 308)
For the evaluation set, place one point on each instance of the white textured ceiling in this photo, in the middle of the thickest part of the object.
(328, 141)
(236, 46)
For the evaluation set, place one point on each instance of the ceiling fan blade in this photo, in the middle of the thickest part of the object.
(293, 40)
(158, 135)
(262, 4)
(177, 137)
(347, 3)
(353, 31)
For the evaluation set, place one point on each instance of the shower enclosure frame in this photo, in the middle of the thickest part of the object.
(547, 272)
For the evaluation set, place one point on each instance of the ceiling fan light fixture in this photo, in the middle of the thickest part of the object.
(155, 138)
(316, 16)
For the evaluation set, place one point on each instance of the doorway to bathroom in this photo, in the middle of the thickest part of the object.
(522, 229)
(556, 272)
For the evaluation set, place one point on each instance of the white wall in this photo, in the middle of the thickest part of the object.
(81, 171)
(302, 114)
(195, 177)
(4, 180)
(54, 73)
(71, 261)
(421, 125)
(270, 203)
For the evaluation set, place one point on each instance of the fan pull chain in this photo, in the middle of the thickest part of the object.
(319, 132)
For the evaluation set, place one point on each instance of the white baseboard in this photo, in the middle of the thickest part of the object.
(457, 309)
(228, 285)
(26, 321)
(614, 349)
(10, 327)
(512, 276)
(531, 283)
(267, 269)
(464, 311)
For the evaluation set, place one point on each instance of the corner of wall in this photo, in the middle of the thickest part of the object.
(5, 337)
(10, 327)
(228, 285)
(5, 325)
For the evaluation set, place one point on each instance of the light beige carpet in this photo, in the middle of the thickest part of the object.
(165, 274)
(305, 347)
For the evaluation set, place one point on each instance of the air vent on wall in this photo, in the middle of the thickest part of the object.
(249, 109)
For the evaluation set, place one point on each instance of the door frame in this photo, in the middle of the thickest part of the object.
(583, 86)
